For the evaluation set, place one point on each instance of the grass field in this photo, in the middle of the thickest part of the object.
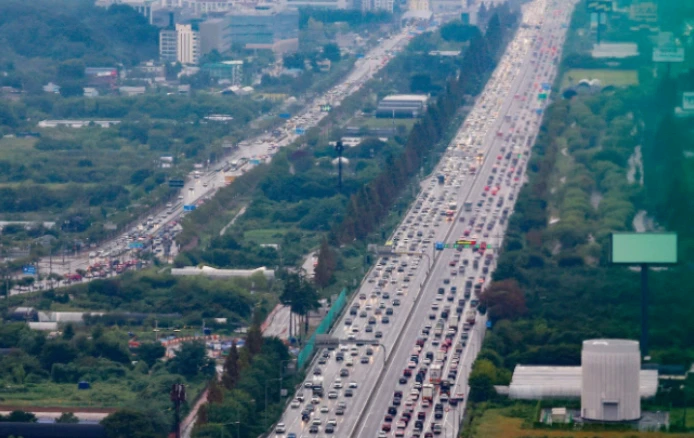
(265, 236)
(54, 394)
(618, 78)
(495, 424)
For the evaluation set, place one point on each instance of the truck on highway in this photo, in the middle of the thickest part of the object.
(428, 392)
(468, 205)
(452, 205)
(470, 316)
(435, 374)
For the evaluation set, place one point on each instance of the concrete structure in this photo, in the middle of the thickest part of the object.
(615, 50)
(328, 4)
(546, 382)
(231, 71)
(402, 105)
(77, 123)
(213, 35)
(90, 92)
(168, 45)
(610, 380)
(264, 27)
(188, 44)
(132, 91)
(223, 273)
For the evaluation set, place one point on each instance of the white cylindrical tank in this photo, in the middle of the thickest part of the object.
(610, 380)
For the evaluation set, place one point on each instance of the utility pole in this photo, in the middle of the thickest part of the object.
(339, 148)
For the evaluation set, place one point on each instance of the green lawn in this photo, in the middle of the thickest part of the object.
(618, 78)
(54, 394)
(265, 236)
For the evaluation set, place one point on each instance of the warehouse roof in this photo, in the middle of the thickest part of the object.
(406, 98)
(537, 382)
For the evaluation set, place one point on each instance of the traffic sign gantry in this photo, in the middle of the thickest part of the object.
(326, 341)
(176, 183)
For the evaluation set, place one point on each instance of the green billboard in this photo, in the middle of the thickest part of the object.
(640, 248)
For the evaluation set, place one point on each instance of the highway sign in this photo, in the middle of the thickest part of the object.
(489, 324)
(254, 161)
(538, 111)
(176, 183)
(325, 108)
(29, 270)
(542, 96)
(600, 5)
(300, 131)
(136, 245)
(668, 54)
(326, 341)
(688, 100)
(285, 116)
(189, 207)
(546, 85)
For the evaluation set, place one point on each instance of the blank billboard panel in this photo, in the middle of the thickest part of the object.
(638, 248)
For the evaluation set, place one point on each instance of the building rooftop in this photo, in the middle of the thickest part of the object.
(615, 50)
(405, 98)
(539, 382)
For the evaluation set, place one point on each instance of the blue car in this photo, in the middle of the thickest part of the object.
(291, 435)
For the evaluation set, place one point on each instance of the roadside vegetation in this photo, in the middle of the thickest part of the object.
(553, 287)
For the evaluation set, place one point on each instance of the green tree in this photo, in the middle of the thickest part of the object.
(230, 377)
(191, 360)
(67, 418)
(331, 52)
(129, 423)
(254, 337)
(214, 392)
(326, 266)
(69, 332)
(57, 351)
(150, 352)
(19, 417)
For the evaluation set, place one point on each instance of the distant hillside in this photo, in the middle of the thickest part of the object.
(60, 30)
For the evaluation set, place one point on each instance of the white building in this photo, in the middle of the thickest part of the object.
(328, 4)
(188, 44)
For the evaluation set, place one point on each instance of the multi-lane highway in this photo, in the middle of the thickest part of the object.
(426, 341)
(212, 178)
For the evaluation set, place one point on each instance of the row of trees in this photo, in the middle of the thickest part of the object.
(246, 400)
(371, 203)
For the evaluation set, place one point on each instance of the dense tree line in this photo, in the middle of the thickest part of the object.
(248, 393)
(38, 32)
(371, 203)
(560, 272)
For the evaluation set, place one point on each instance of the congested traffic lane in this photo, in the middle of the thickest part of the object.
(524, 80)
(262, 148)
(404, 292)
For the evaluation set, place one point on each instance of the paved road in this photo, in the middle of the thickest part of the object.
(211, 179)
(502, 145)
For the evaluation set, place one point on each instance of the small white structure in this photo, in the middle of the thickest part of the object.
(223, 273)
(77, 123)
(615, 50)
(611, 379)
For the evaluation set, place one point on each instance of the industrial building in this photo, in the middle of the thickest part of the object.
(231, 71)
(609, 382)
(402, 106)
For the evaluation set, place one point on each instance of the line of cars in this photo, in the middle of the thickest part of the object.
(432, 370)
